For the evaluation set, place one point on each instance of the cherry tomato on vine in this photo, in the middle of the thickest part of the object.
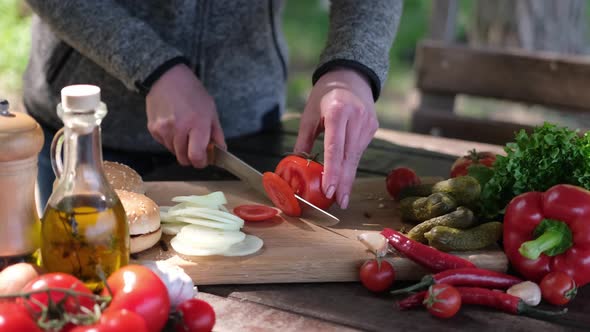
(15, 318)
(558, 288)
(377, 276)
(58, 280)
(255, 212)
(461, 165)
(399, 178)
(115, 321)
(304, 176)
(442, 300)
(138, 289)
(197, 316)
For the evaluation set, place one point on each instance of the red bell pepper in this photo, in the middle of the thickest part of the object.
(549, 231)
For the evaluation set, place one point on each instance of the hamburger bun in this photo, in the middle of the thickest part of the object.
(123, 177)
(143, 216)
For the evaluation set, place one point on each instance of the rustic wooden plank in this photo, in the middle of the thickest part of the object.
(542, 78)
(243, 315)
(433, 122)
(352, 305)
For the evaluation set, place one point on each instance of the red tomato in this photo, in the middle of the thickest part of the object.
(443, 300)
(460, 166)
(377, 276)
(305, 178)
(138, 289)
(15, 318)
(57, 280)
(281, 195)
(197, 316)
(115, 321)
(558, 288)
(255, 212)
(399, 178)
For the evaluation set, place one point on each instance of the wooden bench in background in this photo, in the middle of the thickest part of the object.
(443, 71)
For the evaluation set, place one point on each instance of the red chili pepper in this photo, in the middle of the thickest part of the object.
(488, 298)
(504, 302)
(549, 231)
(473, 277)
(424, 255)
(412, 301)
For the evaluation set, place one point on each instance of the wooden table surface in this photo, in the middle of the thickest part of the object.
(348, 306)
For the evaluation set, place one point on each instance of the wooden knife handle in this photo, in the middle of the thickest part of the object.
(211, 153)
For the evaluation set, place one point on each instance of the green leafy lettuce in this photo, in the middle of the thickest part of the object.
(550, 155)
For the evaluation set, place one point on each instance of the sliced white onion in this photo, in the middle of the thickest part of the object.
(207, 213)
(250, 245)
(187, 248)
(172, 228)
(212, 200)
(206, 237)
(209, 223)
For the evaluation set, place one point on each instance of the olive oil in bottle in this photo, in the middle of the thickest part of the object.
(83, 238)
(84, 230)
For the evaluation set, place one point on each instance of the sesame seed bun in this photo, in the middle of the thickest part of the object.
(123, 177)
(143, 216)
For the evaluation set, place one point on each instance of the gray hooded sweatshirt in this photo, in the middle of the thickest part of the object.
(235, 47)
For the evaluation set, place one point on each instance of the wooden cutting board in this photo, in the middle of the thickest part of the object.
(295, 250)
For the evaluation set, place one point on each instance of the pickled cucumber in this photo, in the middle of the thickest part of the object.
(448, 239)
(464, 189)
(424, 208)
(461, 218)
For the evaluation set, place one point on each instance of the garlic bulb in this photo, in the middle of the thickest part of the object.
(179, 284)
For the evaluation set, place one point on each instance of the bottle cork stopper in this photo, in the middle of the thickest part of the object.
(80, 97)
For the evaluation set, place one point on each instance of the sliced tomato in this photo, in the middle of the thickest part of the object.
(304, 175)
(281, 194)
(255, 212)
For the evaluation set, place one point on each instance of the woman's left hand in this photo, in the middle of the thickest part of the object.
(340, 105)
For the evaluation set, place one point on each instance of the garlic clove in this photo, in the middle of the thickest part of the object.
(375, 242)
(528, 291)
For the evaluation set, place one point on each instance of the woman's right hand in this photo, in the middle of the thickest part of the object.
(182, 116)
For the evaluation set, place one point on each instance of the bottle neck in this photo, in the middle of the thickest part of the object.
(83, 152)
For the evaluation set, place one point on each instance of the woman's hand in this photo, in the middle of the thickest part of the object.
(341, 105)
(182, 116)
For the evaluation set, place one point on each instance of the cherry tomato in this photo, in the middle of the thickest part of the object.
(399, 178)
(377, 276)
(558, 288)
(442, 300)
(138, 289)
(304, 176)
(255, 212)
(460, 166)
(57, 280)
(15, 318)
(281, 195)
(197, 316)
(115, 321)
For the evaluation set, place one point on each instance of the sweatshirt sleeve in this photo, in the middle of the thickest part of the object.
(360, 37)
(105, 32)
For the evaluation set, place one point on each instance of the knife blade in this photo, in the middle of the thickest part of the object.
(226, 160)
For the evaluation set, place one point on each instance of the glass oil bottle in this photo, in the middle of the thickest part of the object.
(84, 230)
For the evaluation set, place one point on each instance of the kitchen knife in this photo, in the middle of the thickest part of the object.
(224, 159)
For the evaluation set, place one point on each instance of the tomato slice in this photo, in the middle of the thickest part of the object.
(255, 212)
(281, 194)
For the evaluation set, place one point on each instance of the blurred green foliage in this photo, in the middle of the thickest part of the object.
(15, 41)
